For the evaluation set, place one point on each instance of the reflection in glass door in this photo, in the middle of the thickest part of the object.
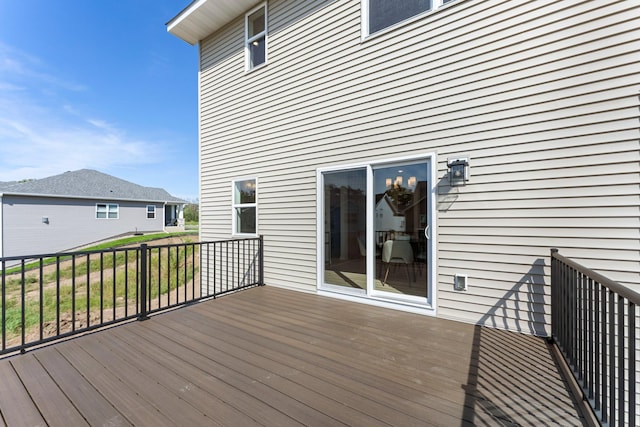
(401, 228)
(345, 229)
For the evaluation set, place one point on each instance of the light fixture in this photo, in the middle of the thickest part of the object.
(458, 170)
(398, 181)
(411, 182)
(388, 182)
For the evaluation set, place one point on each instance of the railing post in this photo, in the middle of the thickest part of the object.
(554, 296)
(261, 260)
(3, 319)
(142, 314)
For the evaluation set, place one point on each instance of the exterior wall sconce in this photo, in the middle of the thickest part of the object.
(458, 170)
(45, 220)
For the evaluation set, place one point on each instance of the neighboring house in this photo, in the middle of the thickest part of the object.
(77, 208)
(387, 216)
(298, 99)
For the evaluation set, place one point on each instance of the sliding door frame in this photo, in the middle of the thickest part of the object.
(421, 305)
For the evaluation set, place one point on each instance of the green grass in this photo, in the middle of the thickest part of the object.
(163, 264)
(136, 239)
(112, 244)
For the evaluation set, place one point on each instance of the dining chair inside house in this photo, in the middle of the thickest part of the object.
(397, 252)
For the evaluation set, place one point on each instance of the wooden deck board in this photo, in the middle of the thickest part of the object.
(348, 364)
(46, 395)
(134, 408)
(175, 383)
(230, 403)
(171, 407)
(16, 406)
(256, 380)
(267, 356)
(345, 394)
(90, 403)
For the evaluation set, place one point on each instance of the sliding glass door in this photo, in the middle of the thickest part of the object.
(376, 230)
(345, 225)
(401, 228)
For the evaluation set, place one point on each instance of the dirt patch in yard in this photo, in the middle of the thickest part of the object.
(60, 281)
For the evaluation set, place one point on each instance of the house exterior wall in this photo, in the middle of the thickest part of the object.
(386, 219)
(72, 223)
(543, 97)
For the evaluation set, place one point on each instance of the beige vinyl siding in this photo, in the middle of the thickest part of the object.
(542, 95)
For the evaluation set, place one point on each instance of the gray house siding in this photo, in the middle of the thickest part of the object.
(71, 223)
(543, 97)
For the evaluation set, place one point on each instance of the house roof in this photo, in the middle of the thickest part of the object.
(87, 184)
(203, 17)
(385, 197)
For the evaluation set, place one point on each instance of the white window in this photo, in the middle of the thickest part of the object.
(151, 211)
(381, 14)
(107, 211)
(256, 37)
(245, 206)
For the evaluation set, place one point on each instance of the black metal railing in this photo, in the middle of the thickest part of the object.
(51, 296)
(595, 325)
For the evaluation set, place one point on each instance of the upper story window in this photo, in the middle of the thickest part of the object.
(245, 206)
(381, 14)
(256, 37)
(107, 211)
(151, 211)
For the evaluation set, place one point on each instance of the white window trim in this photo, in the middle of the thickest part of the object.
(234, 206)
(154, 211)
(430, 308)
(247, 40)
(107, 205)
(364, 23)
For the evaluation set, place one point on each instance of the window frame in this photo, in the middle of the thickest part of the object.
(153, 212)
(364, 6)
(108, 210)
(239, 205)
(248, 40)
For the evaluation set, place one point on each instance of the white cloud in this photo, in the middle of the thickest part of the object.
(35, 146)
(21, 66)
(44, 135)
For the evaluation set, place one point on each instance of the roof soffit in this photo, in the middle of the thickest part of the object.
(203, 17)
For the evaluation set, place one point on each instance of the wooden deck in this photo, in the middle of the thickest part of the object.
(268, 356)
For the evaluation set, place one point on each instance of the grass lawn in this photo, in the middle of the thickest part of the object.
(92, 284)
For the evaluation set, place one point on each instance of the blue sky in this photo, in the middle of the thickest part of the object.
(98, 84)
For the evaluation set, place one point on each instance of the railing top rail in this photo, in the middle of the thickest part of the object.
(621, 290)
(36, 257)
(211, 242)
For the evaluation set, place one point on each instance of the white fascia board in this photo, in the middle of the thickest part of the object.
(203, 17)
